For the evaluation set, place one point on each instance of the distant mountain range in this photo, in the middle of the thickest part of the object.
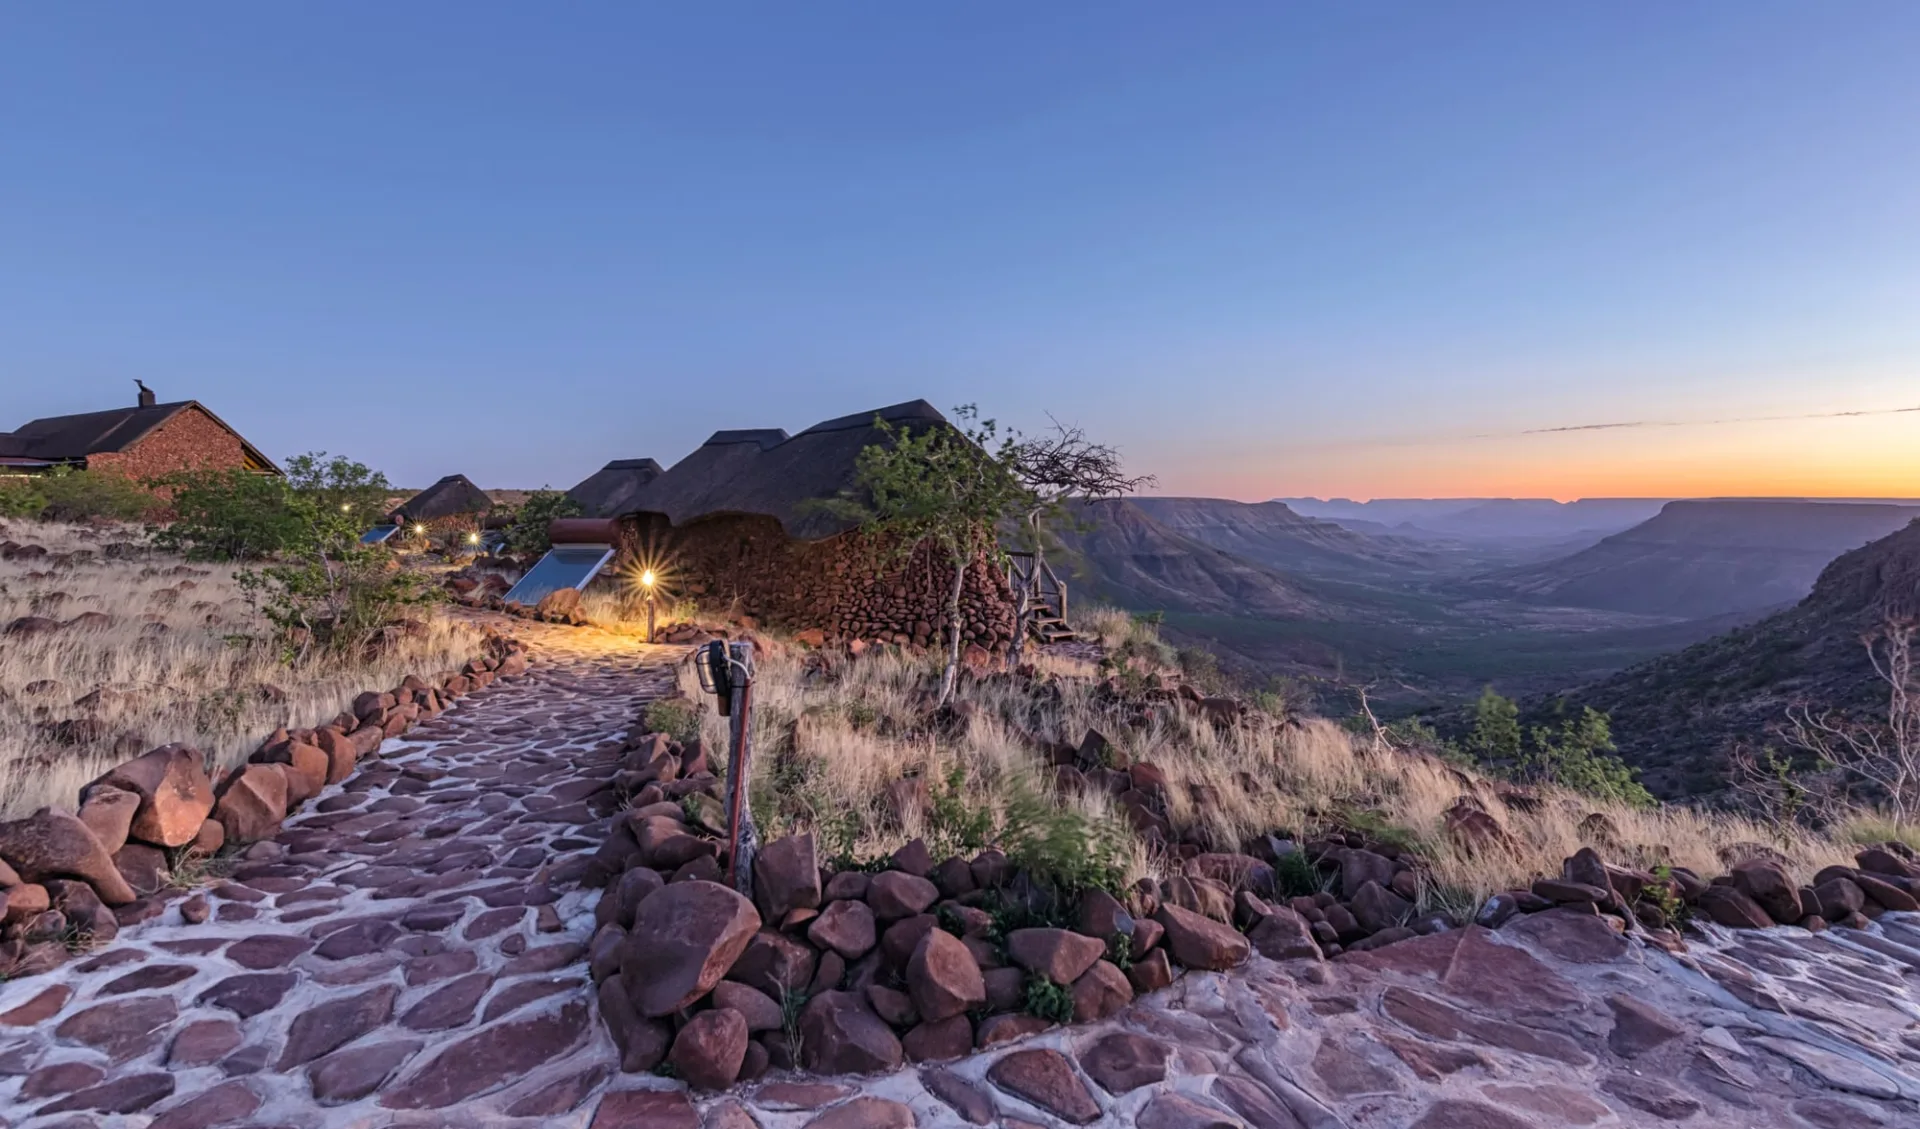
(1430, 618)
(1697, 559)
(1516, 520)
(1674, 716)
(1272, 534)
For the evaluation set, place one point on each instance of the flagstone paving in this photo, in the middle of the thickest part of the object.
(410, 953)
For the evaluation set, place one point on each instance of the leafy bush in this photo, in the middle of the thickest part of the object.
(68, 494)
(527, 536)
(320, 507)
(1049, 1001)
(1067, 849)
(337, 604)
(1580, 756)
(21, 496)
(232, 515)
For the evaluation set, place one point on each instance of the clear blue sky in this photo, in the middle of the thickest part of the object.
(1267, 248)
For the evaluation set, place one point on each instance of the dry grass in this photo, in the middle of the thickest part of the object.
(831, 736)
(179, 660)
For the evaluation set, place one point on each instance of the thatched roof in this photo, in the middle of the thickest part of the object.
(452, 496)
(606, 492)
(771, 473)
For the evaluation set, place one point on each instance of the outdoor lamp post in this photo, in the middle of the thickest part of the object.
(646, 583)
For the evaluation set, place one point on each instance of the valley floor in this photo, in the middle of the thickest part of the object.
(416, 957)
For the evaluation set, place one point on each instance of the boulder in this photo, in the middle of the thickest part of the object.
(1768, 885)
(708, 1051)
(1377, 908)
(943, 979)
(1059, 955)
(1200, 942)
(305, 767)
(1838, 897)
(144, 867)
(108, 812)
(940, 1040)
(786, 876)
(896, 894)
(54, 844)
(1284, 935)
(775, 963)
(1878, 890)
(175, 794)
(685, 937)
(846, 927)
(1727, 906)
(252, 803)
(342, 753)
(840, 1035)
(1100, 992)
(761, 1011)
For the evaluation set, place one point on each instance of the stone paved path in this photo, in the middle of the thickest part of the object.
(416, 945)
(414, 959)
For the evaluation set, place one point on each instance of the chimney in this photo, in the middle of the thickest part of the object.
(146, 394)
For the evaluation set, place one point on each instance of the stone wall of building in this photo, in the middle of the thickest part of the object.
(190, 440)
(850, 586)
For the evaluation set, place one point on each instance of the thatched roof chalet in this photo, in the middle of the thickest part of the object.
(765, 472)
(606, 492)
(453, 496)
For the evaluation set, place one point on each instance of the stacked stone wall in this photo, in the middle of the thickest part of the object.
(850, 586)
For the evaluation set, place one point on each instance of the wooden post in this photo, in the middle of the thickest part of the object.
(743, 840)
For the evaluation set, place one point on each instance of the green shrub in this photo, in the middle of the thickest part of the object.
(319, 509)
(1297, 876)
(69, 494)
(21, 496)
(1049, 1001)
(527, 536)
(1061, 847)
(338, 605)
(678, 718)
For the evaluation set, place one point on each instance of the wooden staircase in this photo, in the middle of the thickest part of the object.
(1046, 596)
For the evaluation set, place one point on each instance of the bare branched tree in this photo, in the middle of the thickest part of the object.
(1056, 466)
(1884, 753)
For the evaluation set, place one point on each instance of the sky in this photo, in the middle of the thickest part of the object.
(1266, 249)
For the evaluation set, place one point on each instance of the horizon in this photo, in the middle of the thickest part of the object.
(1496, 251)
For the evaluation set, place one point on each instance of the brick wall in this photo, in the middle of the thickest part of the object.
(849, 586)
(190, 439)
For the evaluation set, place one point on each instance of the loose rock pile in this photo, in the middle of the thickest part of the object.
(1756, 893)
(845, 971)
(68, 882)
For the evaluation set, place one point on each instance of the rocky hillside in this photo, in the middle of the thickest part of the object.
(1271, 534)
(1120, 554)
(1706, 558)
(1672, 717)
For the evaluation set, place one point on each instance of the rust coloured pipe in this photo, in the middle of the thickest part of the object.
(584, 531)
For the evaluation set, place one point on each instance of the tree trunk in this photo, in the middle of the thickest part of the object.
(1023, 606)
(948, 677)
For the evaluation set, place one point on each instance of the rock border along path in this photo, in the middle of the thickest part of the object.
(412, 955)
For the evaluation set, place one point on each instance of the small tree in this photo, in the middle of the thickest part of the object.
(1053, 467)
(1886, 753)
(946, 488)
(1495, 739)
(527, 536)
